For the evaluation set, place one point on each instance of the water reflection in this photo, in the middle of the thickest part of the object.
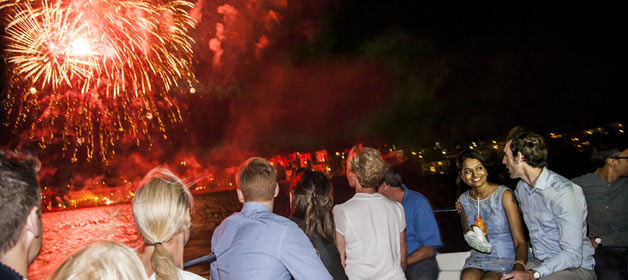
(66, 231)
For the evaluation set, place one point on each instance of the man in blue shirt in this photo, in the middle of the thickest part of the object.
(257, 244)
(422, 235)
(554, 210)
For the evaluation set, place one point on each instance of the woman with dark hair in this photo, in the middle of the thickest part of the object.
(311, 204)
(494, 210)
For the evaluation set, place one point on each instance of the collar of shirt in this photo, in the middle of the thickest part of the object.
(599, 180)
(405, 193)
(7, 272)
(252, 207)
(541, 182)
(368, 195)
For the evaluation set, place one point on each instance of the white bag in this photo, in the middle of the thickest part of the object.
(476, 239)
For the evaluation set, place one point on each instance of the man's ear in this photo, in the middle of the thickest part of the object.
(351, 178)
(240, 195)
(610, 161)
(32, 227)
(276, 189)
(520, 157)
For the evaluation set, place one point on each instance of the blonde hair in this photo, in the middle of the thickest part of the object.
(368, 166)
(257, 179)
(161, 209)
(101, 260)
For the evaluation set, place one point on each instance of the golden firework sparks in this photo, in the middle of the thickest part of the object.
(96, 73)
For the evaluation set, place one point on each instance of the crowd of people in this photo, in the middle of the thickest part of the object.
(567, 220)
(577, 229)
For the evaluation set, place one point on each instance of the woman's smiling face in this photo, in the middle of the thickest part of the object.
(473, 173)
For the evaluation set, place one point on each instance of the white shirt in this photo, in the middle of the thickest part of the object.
(371, 225)
(184, 275)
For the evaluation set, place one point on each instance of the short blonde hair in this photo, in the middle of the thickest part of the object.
(101, 260)
(368, 166)
(257, 179)
(161, 209)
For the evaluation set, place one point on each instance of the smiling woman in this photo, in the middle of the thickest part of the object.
(497, 216)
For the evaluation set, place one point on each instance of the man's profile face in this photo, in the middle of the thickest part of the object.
(514, 168)
(621, 166)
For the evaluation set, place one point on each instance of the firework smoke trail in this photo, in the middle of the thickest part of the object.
(96, 73)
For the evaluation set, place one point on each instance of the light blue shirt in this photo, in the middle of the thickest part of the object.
(555, 213)
(255, 243)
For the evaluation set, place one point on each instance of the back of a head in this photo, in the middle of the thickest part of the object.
(532, 146)
(368, 166)
(257, 180)
(102, 260)
(312, 203)
(392, 178)
(606, 146)
(19, 193)
(161, 209)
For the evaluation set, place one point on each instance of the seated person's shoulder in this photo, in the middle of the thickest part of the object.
(186, 275)
(562, 184)
(285, 222)
(419, 198)
(586, 179)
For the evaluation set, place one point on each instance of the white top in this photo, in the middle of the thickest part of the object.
(371, 225)
(184, 275)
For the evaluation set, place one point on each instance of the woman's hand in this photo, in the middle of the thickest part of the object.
(518, 275)
(459, 206)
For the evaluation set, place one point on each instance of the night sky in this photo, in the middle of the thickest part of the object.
(405, 72)
(333, 73)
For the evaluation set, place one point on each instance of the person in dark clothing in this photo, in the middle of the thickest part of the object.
(311, 205)
(606, 192)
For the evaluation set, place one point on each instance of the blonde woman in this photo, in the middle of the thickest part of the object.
(102, 260)
(161, 211)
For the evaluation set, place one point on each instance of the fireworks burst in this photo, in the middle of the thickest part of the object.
(96, 73)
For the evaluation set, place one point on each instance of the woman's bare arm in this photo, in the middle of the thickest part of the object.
(516, 228)
(340, 244)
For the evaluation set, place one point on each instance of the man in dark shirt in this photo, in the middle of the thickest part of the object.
(20, 218)
(606, 192)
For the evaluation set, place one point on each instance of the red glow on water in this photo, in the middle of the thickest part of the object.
(66, 231)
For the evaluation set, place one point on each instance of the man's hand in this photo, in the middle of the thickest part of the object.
(519, 275)
(459, 206)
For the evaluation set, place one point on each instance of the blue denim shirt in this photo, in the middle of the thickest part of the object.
(555, 212)
(421, 226)
(255, 243)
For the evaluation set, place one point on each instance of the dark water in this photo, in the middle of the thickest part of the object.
(66, 231)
